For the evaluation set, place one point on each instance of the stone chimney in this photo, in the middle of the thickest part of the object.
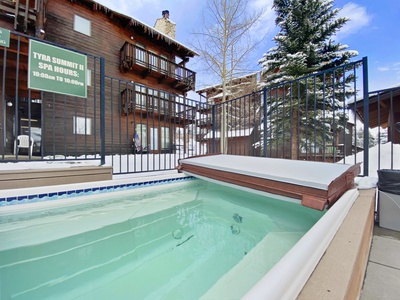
(165, 25)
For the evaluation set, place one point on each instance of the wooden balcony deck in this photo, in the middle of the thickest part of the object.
(146, 63)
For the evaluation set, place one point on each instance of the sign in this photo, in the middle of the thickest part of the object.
(54, 69)
(4, 37)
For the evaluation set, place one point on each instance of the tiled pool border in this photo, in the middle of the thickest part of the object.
(71, 192)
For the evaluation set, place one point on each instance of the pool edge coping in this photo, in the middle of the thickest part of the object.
(24, 195)
(341, 270)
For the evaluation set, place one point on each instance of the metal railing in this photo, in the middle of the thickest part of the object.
(303, 119)
(383, 116)
(135, 128)
(100, 127)
(62, 127)
(132, 55)
(148, 129)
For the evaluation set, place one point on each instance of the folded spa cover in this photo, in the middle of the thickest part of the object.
(316, 184)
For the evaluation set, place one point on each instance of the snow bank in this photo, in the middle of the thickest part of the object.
(381, 156)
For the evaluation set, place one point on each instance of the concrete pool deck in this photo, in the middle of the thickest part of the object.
(354, 267)
(382, 279)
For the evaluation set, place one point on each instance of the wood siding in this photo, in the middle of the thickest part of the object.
(107, 37)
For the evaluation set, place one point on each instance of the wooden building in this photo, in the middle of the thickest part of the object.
(384, 111)
(241, 119)
(240, 142)
(145, 84)
(237, 87)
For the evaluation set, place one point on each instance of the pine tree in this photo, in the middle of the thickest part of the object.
(304, 46)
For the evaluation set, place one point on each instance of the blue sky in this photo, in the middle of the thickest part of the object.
(373, 31)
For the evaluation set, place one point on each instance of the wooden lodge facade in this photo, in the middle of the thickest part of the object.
(145, 85)
(383, 110)
(240, 98)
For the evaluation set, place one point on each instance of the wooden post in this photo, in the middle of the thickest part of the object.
(26, 16)
(39, 6)
(16, 14)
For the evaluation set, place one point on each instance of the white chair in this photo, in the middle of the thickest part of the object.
(23, 141)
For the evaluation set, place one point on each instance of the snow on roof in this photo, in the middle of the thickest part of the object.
(231, 133)
(151, 30)
(372, 94)
(219, 84)
(217, 96)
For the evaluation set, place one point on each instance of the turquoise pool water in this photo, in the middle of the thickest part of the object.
(171, 242)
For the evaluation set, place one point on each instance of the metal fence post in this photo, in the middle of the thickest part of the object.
(265, 123)
(3, 101)
(366, 115)
(214, 121)
(102, 112)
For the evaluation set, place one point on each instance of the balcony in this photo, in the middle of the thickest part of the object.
(204, 122)
(135, 102)
(25, 13)
(146, 63)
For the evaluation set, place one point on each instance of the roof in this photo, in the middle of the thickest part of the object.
(219, 86)
(378, 114)
(183, 50)
(373, 96)
(230, 133)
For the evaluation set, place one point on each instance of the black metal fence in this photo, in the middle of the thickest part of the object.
(135, 128)
(380, 117)
(38, 125)
(301, 119)
(127, 125)
(148, 129)
(328, 116)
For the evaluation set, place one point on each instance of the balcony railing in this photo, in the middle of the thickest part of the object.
(151, 64)
(142, 103)
(24, 12)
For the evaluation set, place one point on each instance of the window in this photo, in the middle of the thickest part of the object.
(82, 125)
(164, 64)
(82, 25)
(154, 139)
(153, 60)
(140, 54)
(165, 144)
(152, 103)
(163, 102)
(141, 131)
(140, 96)
(89, 77)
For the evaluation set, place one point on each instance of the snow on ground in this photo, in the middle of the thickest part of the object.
(120, 163)
(47, 164)
(383, 156)
(388, 153)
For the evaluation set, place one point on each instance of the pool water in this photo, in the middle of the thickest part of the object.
(170, 242)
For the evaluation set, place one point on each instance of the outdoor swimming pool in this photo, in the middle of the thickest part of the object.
(175, 241)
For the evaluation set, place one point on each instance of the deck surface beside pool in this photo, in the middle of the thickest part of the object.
(316, 184)
(27, 178)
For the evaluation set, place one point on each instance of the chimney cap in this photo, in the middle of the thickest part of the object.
(165, 14)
